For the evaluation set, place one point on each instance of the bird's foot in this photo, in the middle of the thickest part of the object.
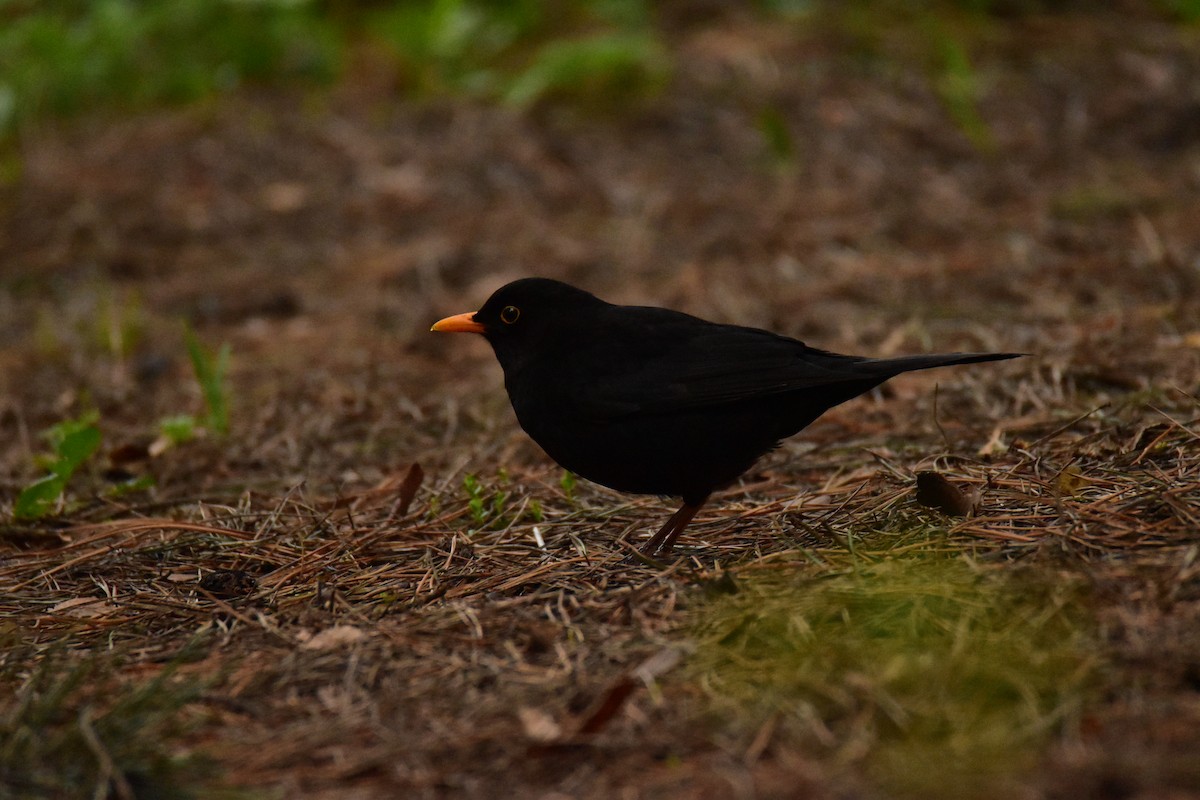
(643, 555)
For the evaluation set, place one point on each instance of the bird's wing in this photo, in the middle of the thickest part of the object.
(655, 361)
(696, 367)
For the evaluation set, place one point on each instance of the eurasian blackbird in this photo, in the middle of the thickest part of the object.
(654, 401)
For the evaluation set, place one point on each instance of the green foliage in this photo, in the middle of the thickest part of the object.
(178, 429)
(210, 371)
(773, 127)
(68, 56)
(1185, 10)
(120, 323)
(944, 681)
(493, 507)
(487, 506)
(73, 55)
(73, 442)
(138, 483)
(61, 737)
(523, 51)
(1000, 8)
(567, 483)
(958, 87)
(449, 45)
(76, 55)
(789, 8)
(617, 65)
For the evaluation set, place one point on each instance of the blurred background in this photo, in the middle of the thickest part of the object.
(313, 182)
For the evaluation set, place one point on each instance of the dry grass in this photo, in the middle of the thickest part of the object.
(337, 623)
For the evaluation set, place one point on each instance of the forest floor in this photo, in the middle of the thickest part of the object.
(295, 609)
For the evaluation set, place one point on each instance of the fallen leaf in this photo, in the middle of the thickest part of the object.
(328, 639)
(401, 487)
(408, 489)
(1071, 481)
(74, 601)
(934, 491)
(83, 607)
(538, 725)
(608, 707)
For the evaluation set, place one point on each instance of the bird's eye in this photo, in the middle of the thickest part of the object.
(510, 314)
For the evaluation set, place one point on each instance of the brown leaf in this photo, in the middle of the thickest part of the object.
(408, 489)
(83, 607)
(934, 491)
(337, 636)
(402, 487)
(1071, 481)
(608, 707)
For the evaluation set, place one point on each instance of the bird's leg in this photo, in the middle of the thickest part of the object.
(651, 547)
(665, 538)
(684, 514)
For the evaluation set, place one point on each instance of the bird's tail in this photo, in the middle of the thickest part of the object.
(894, 366)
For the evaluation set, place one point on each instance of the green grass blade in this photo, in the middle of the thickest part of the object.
(210, 373)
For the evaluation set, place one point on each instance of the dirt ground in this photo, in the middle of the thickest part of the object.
(357, 640)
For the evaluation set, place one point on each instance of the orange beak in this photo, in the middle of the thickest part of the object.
(459, 323)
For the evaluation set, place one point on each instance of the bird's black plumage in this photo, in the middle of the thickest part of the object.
(655, 401)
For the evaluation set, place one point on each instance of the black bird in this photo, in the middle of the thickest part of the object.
(654, 401)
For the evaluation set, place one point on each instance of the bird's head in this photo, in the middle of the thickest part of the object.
(525, 316)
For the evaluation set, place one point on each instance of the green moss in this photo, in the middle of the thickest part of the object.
(936, 679)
